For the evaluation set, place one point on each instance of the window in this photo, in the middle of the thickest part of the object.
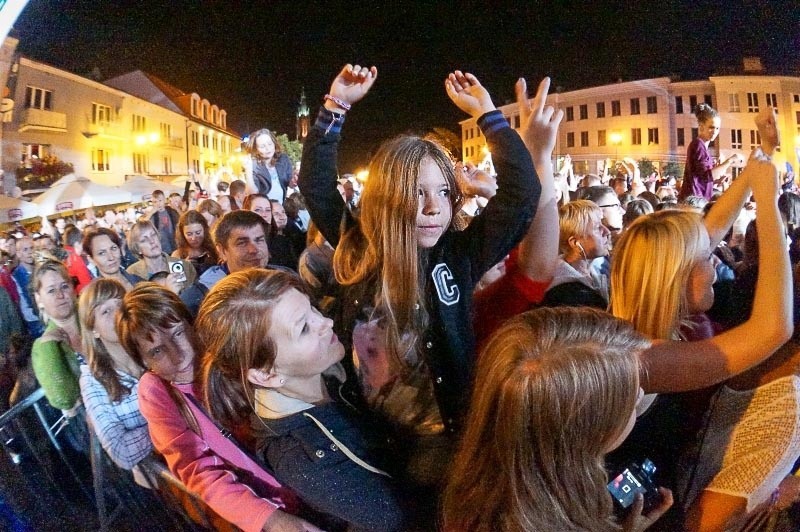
(139, 123)
(205, 111)
(570, 114)
(101, 114)
(652, 105)
(679, 104)
(772, 100)
(707, 99)
(736, 139)
(215, 142)
(796, 98)
(34, 151)
(205, 140)
(601, 137)
(570, 140)
(733, 102)
(755, 139)
(752, 102)
(681, 138)
(196, 166)
(652, 135)
(101, 160)
(140, 163)
(692, 104)
(213, 115)
(166, 131)
(694, 133)
(194, 106)
(38, 98)
(167, 165)
(195, 138)
(635, 106)
(616, 108)
(584, 110)
(584, 138)
(601, 109)
(636, 135)
(797, 116)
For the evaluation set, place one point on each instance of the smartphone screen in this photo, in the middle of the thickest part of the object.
(624, 488)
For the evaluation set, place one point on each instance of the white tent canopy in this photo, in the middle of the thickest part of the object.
(13, 210)
(72, 193)
(142, 187)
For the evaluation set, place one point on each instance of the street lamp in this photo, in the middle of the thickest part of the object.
(616, 140)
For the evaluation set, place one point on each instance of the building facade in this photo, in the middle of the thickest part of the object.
(652, 118)
(130, 125)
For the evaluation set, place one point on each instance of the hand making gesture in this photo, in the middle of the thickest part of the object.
(349, 86)
(539, 123)
(468, 94)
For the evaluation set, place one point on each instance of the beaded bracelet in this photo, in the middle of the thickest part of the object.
(338, 101)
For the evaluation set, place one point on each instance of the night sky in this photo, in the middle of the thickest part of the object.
(254, 60)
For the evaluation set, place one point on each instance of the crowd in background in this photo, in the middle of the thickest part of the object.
(437, 347)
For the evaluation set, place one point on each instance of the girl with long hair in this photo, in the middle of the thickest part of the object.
(193, 239)
(109, 380)
(271, 362)
(155, 328)
(399, 262)
(559, 389)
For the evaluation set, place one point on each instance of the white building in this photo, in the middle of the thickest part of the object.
(652, 118)
(133, 124)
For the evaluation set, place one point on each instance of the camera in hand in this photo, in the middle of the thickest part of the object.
(634, 478)
(177, 268)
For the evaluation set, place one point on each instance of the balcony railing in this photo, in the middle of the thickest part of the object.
(172, 142)
(41, 120)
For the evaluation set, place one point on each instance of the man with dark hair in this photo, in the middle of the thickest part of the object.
(241, 241)
(605, 198)
(238, 191)
(165, 218)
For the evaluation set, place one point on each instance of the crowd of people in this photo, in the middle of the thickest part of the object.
(440, 349)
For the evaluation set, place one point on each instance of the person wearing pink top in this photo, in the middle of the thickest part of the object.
(154, 327)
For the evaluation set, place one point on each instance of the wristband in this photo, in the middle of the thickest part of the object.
(338, 101)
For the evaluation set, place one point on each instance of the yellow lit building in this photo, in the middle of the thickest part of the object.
(652, 118)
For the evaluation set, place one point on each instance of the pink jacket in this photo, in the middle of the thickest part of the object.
(202, 463)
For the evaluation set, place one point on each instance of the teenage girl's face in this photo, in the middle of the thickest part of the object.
(265, 147)
(104, 320)
(169, 353)
(700, 284)
(279, 214)
(434, 211)
(709, 129)
(304, 338)
(194, 235)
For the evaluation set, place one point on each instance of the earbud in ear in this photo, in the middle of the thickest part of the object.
(580, 246)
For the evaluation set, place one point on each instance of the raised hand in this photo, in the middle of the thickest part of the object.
(768, 129)
(350, 85)
(474, 182)
(468, 94)
(539, 123)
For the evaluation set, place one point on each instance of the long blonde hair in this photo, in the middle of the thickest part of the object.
(556, 387)
(382, 248)
(650, 271)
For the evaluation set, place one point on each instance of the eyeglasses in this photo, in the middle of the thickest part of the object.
(619, 206)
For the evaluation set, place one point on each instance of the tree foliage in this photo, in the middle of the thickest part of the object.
(292, 148)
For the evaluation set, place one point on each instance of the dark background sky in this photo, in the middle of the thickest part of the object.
(253, 60)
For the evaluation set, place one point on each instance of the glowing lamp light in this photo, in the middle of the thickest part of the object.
(616, 138)
(362, 175)
(485, 150)
(140, 139)
(154, 137)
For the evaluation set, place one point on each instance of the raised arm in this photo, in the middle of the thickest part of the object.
(317, 180)
(726, 209)
(683, 366)
(538, 251)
